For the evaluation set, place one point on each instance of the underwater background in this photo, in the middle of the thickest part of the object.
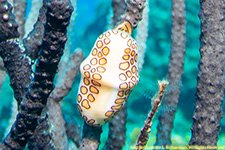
(92, 19)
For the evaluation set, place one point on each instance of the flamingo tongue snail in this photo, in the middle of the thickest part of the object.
(108, 75)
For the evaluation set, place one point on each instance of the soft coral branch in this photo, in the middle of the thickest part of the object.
(17, 64)
(58, 15)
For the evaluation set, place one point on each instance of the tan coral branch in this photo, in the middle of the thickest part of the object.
(143, 138)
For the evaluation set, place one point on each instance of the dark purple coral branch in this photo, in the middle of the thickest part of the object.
(134, 11)
(17, 64)
(8, 26)
(58, 15)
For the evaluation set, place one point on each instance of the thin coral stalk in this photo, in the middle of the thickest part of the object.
(134, 11)
(20, 11)
(73, 131)
(32, 16)
(119, 7)
(33, 41)
(69, 44)
(54, 106)
(175, 73)
(141, 37)
(2, 73)
(91, 137)
(64, 84)
(143, 138)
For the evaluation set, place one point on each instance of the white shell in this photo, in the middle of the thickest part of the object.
(109, 74)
